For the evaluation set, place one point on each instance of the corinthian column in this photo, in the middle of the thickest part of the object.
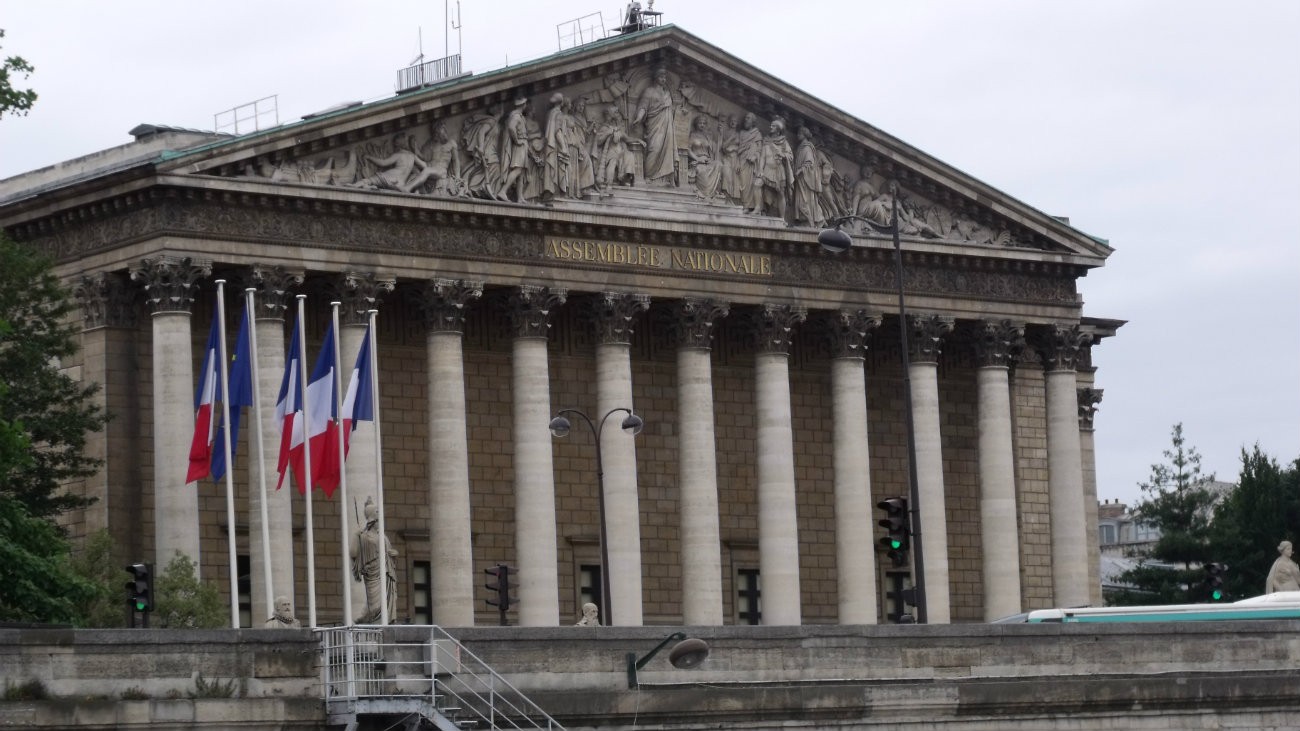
(854, 554)
(272, 298)
(1088, 399)
(701, 542)
(539, 592)
(778, 522)
(443, 302)
(996, 342)
(614, 313)
(170, 286)
(925, 338)
(1060, 346)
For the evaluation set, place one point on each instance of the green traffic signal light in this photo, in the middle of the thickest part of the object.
(895, 544)
(1216, 595)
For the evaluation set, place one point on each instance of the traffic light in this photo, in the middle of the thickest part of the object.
(502, 588)
(898, 537)
(139, 590)
(1213, 582)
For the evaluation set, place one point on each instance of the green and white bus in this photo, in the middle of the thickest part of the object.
(1278, 605)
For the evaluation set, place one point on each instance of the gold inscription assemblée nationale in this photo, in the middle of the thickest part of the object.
(657, 257)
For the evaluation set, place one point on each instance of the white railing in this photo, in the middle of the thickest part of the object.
(429, 72)
(365, 671)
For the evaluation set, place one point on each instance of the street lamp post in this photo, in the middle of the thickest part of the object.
(836, 241)
(632, 425)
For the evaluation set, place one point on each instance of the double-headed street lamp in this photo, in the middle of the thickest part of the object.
(632, 425)
(836, 241)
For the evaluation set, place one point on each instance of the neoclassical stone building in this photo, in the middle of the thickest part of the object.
(630, 224)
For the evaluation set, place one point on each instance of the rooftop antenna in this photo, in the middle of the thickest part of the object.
(456, 24)
(420, 40)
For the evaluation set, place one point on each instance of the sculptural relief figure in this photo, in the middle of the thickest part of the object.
(578, 134)
(590, 616)
(807, 181)
(729, 152)
(833, 196)
(367, 543)
(705, 169)
(515, 153)
(283, 617)
(555, 165)
(616, 162)
(480, 137)
(775, 174)
(443, 168)
(395, 170)
(749, 144)
(655, 109)
(1285, 575)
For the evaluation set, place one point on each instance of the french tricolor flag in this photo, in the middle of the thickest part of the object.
(358, 402)
(288, 412)
(205, 421)
(322, 411)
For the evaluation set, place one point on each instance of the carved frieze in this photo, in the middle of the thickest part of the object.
(647, 127)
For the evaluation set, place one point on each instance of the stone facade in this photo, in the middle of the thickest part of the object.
(486, 260)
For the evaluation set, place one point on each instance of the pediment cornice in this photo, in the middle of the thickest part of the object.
(824, 161)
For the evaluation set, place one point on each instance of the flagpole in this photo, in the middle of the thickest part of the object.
(379, 469)
(306, 469)
(250, 313)
(343, 473)
(225, 444)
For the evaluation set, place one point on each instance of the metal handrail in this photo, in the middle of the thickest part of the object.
(361, 669)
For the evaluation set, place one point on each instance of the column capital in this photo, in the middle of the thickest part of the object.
(1061, 346)
(107, 299)
(774, 327)
(1088, 399)
(529, 308)
(359, 293)
(997, 342)
(614, 312)
(692, 321)
(170, 282)
(443, 301)
(848, 331)
(925, 336)
(273, 285)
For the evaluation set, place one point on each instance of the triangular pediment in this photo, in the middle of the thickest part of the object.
(657, 124)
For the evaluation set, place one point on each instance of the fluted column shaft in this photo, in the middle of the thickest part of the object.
(170, 285)
(535, 533)
(778, 522)
(1065, 468)
(701, 542)
(854, 551)
(614, 316)
(996, 343)
(926, 335)
(450, 520)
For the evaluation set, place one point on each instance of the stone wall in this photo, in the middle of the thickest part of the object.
(954, 677)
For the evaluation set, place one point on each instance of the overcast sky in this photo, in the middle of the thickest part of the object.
(1170, 128)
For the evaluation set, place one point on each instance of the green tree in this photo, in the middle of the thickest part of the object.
(94, 562)
(1261, 512)
(37, 583)
(1178, 502)
(53, 411)
(181, 600)
(14, 101)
